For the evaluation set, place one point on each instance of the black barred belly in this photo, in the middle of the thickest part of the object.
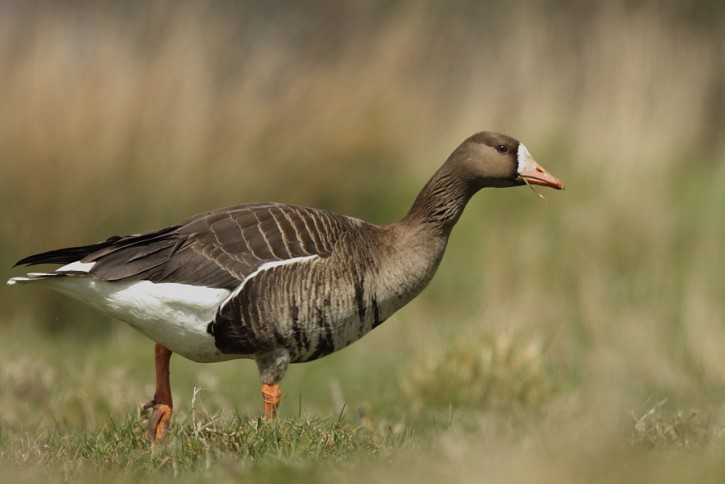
(309, 316)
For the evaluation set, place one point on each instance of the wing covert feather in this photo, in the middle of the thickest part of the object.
(222, 247)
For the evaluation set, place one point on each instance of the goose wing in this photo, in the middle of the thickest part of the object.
(214, 249)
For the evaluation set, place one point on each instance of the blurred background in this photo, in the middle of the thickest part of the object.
(120, 117)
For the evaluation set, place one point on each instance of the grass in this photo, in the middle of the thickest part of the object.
(201, 447)
(578, 340)
(197, 445)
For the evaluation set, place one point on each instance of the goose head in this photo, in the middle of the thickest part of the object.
(489, 159)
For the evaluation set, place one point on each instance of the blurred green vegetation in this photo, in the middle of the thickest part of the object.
(118, 117)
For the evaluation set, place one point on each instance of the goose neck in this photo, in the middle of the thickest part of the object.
(440, 203)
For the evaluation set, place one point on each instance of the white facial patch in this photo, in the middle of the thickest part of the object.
(524, 158)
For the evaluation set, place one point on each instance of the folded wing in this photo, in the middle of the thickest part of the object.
(215, 249)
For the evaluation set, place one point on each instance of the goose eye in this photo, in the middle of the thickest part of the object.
(501, 149)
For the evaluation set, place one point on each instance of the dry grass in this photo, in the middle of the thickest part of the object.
(493, 371)
(550, 334)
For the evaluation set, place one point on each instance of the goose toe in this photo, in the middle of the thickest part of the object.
(158, 421)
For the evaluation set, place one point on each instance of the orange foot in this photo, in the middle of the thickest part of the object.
(158, 421)
(272, 396)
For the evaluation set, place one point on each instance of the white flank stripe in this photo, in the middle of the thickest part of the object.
(264, 267)
(77, 266)
(275, 263)
(74, 268)
(30, 277)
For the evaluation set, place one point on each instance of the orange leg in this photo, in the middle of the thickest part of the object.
(161, 405)
(272, 396)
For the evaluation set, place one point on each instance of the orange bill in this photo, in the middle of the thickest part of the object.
(532, 173)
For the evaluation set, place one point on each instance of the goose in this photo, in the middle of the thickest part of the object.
(273, 282)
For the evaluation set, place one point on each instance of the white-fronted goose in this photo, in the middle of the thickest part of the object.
(273, 282)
